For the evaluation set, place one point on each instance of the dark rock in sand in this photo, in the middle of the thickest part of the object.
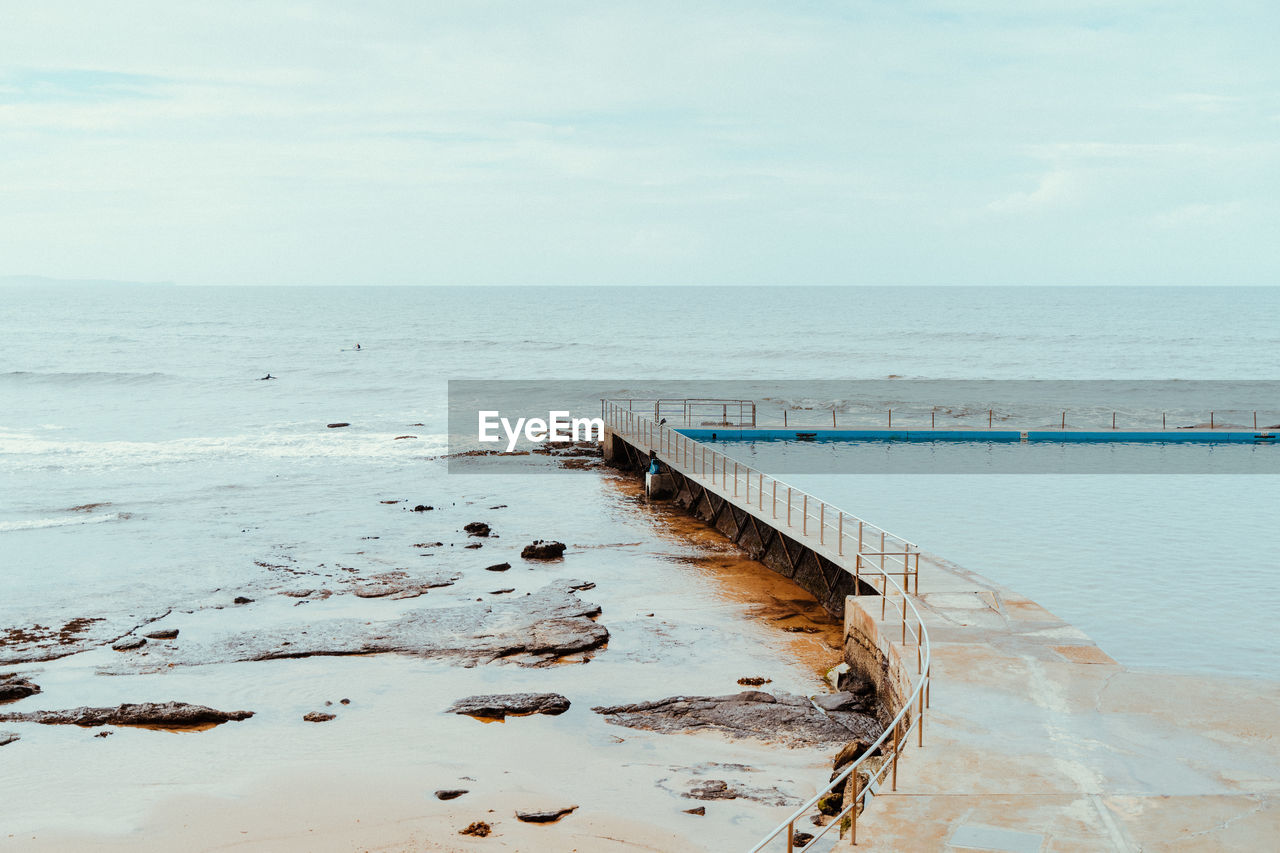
(719, 789)
(844, 701)
(451, 793)
(548, 816)
(13, 687)
(37, 642)
(338, 424)
(474, 545)
(7, 738)
(497, 567)
(700, 810)
(240, 599)
(530, 629)
(129, 644)
(500, 705)
(503, 591)
(318, 717)
(166, 634)
(543, 550)
(800, 839)
(753, 680)
(477, 528)
(169, 715)
(395, 585)
(784, 718)
(479, 829)
(344, 701)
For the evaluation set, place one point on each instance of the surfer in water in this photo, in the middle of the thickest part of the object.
(264, 378)
(357, 346)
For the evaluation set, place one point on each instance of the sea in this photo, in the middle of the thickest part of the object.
(143, 455)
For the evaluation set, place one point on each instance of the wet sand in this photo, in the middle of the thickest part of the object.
(685, 614)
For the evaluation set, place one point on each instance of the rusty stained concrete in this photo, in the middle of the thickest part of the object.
(1035, 739)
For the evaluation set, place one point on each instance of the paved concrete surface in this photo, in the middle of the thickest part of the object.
(1036, 740)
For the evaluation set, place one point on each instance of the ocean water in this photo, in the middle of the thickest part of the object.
(147, 401)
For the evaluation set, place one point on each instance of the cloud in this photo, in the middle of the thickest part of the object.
(401, 141)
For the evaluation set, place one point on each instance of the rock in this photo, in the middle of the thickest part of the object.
(429, 545)
(165, 634)
(107, 733)
(169, 715)
(395, 585)
(719, 789)
(843, 701)
(500, 705)
(548, 816)
(337, 425)
(240, 599)
(753, 680)
(13, 687)
(7, 738)
(800, 839)
(476, 528)
(129, 643)
(423, 508)
(402, 437)
(583, 586)
(531, 630)
(700, 811)
(344, 701)
(318, 717)
(503, 591)
(750, 714)
(543, 550)
(474, 545)
(712, 789)
(848, 754)
(497, 567)
(479, 829)
(451, 793)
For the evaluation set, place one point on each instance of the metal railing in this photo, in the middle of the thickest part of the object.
(693, 411)
(877, 556)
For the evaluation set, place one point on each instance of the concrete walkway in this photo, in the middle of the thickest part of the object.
(1036, 740)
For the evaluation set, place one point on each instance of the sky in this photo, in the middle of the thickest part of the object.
(867, 143)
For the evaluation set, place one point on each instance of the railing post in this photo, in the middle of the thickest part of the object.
(896, 727)
(735, 480)
(853, 812)
(804, 515)
(775, 498)
(788, 506)
(822, 521)
(760, 492)
(840, 535)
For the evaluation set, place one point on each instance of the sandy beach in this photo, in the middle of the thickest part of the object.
(685, 615)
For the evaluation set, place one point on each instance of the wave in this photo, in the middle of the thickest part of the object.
(92, 377)
(26, 451)
(41, 523)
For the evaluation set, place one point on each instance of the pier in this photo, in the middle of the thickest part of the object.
(1034, 738)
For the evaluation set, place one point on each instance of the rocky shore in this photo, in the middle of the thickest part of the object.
(626, 619)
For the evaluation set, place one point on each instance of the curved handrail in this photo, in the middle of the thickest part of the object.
(691, 458)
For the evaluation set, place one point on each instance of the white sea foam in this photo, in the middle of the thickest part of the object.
(27, 451)
(63, 521)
